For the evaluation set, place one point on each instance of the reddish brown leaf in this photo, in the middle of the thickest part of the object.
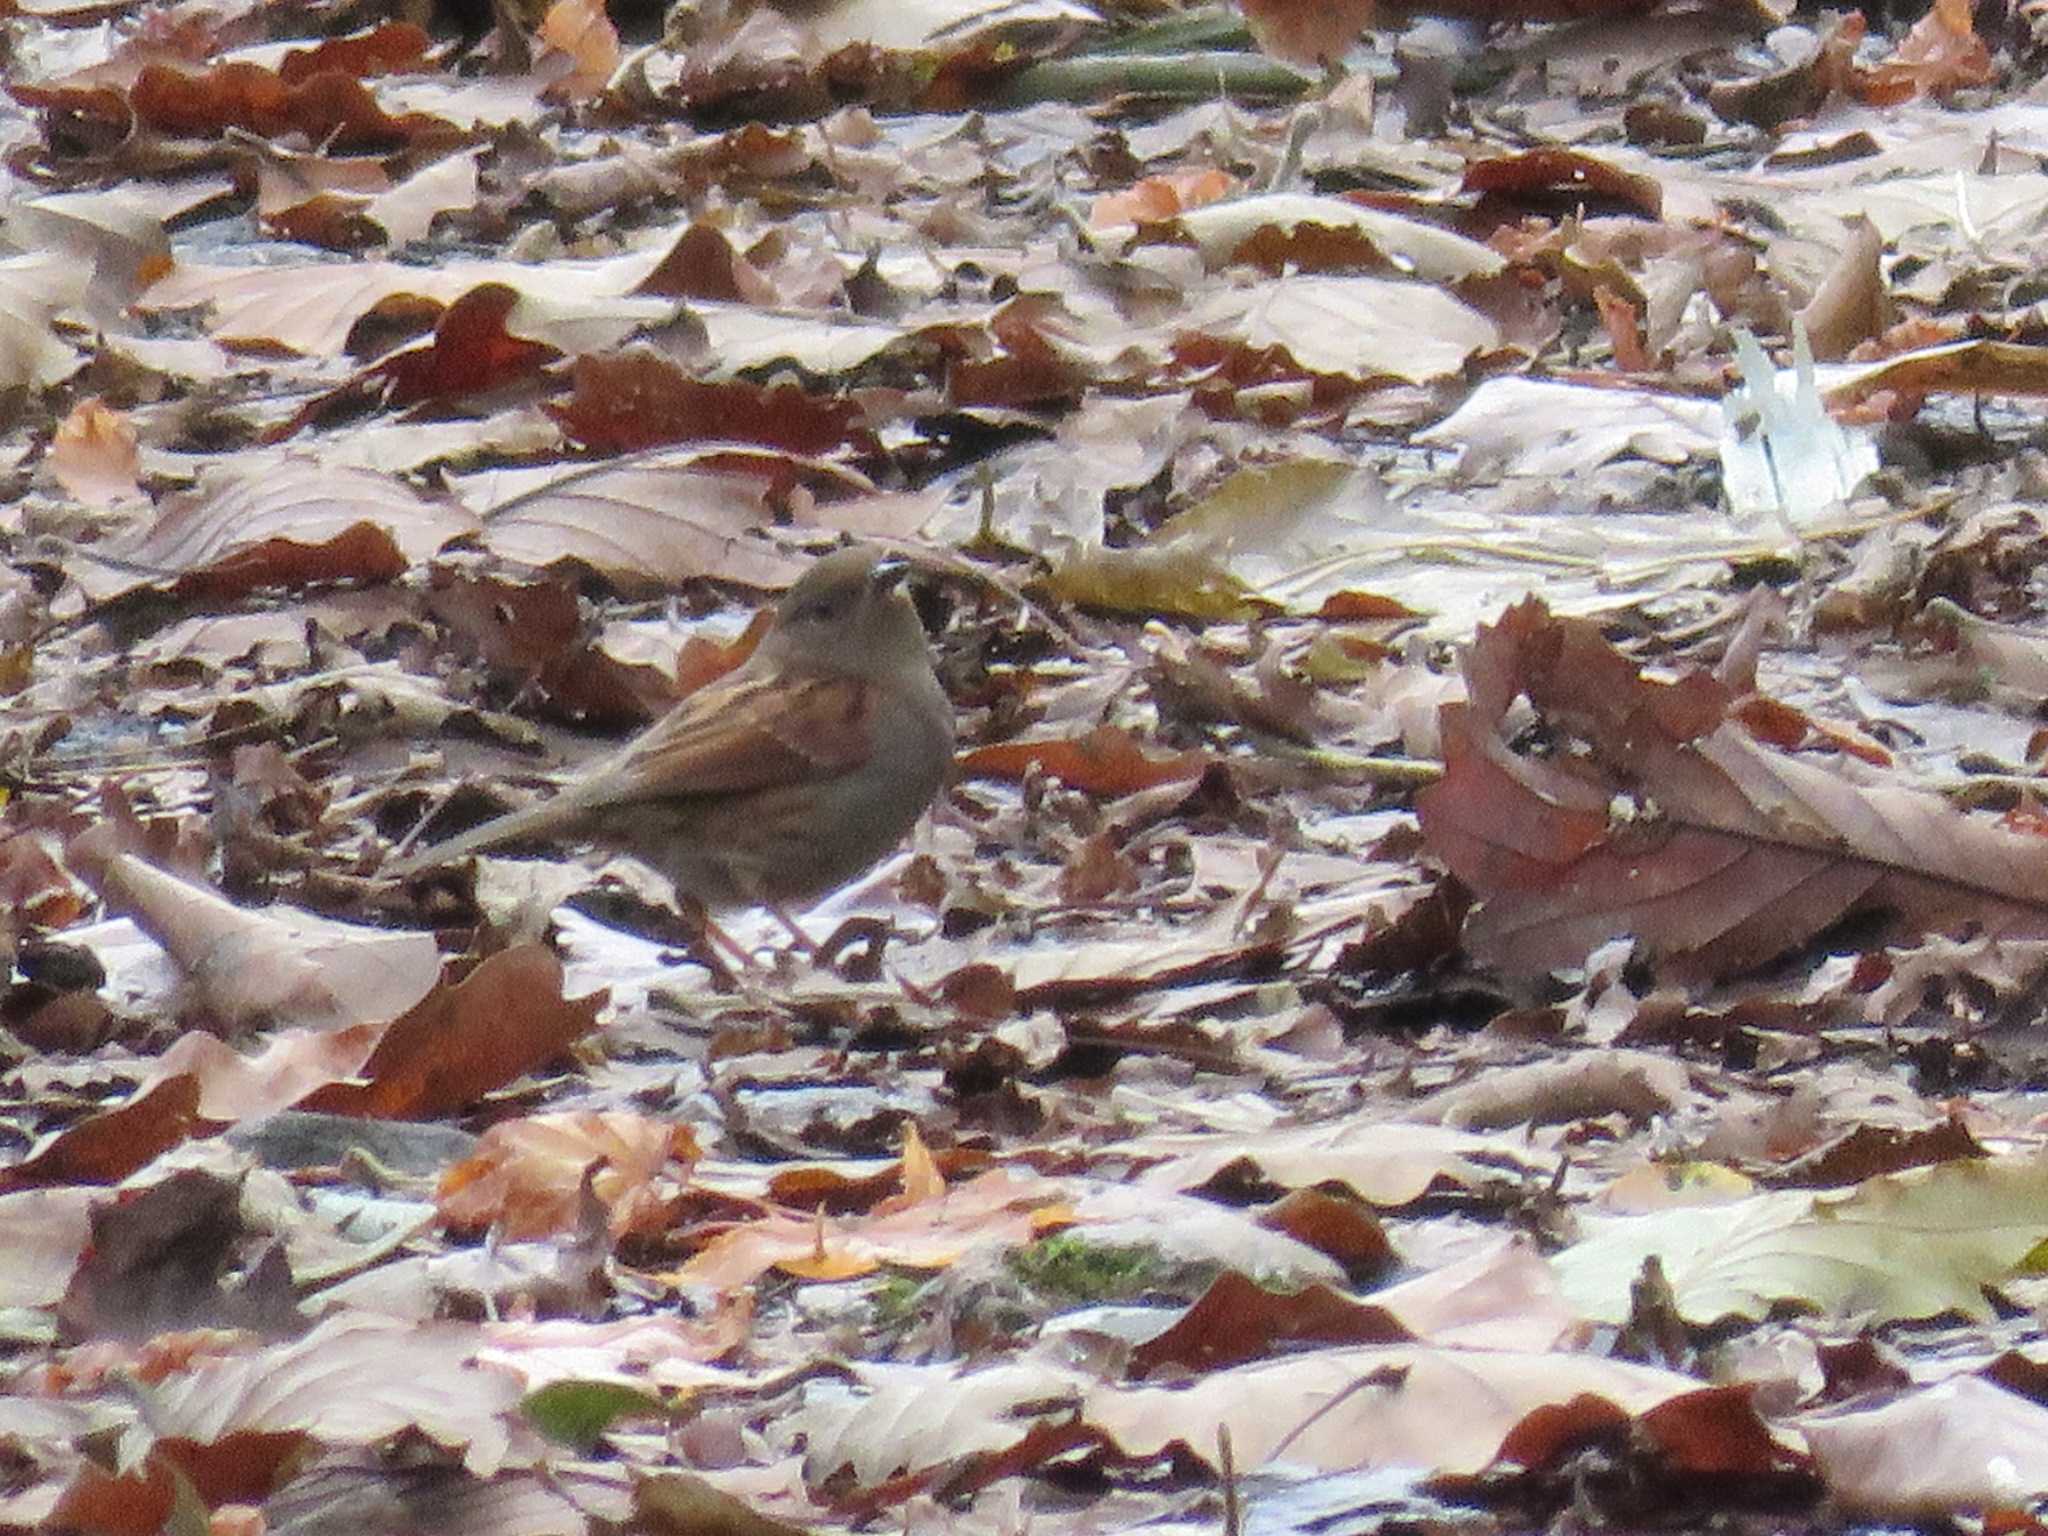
(108, 1503)
(536, 630)
(1351, 607)
(326, 107)
(1779, 724)
(389, 49)
(33, 890)
(1869, 1150)
(505, 1019)
(1106, 761)
(1237, 1320)
(1719, 1433)
(1345, 1229)
(702, 264)
(471, 351)
(1568, 175)
(107, 1147)
(640, 399)
(1662, 818)
(1624, 332)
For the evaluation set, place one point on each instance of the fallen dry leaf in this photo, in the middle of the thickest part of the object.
(1676, 826)
(525, 1176)
(461, 1041)
(271, 967)
(94, 455)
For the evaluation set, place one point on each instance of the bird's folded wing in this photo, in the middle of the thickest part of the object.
(762, 734)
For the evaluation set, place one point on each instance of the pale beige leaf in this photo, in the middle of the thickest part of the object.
(1899, 1246)
(1355, 327)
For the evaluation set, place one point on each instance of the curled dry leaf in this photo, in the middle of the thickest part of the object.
(47, 1232)
(277, 966)
(316, 93)
(353, 1381)
(34, 289)
(1348, 327)
(1942, 54)
(1656, 814)
(1578, 177)
(916, 1230)
(94, 455)
(1458, 1411)
(1851, 304)
(525, 1177)
(1972, 1442)
(1311, 233)
(571, 307)
(1161, 197)
(1177, 579)
(582, 32)
(1387, 1165)
(180, 1251)
(33, 889)
(1306, 34)
(1581, 1086)
(507, 1017)
(1501, 1297)
(239, 1087)
(474, 350)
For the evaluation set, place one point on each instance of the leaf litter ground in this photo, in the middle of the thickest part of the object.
(1484, 965)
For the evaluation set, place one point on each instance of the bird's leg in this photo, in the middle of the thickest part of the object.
(710, 945)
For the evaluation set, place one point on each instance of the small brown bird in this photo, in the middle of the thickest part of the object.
(782, 780)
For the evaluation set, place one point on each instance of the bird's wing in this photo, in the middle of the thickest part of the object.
(738, 734)
(753, 733)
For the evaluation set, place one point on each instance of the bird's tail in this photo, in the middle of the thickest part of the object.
(495, 833)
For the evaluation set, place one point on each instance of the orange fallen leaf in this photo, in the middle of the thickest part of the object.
(1161, 197)
(94, 455)
(1943, 53)
(525, 1176)
(582, 31)
(997, 1208)
(1106, 761)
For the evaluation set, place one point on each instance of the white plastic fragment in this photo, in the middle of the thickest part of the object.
(1782, 455)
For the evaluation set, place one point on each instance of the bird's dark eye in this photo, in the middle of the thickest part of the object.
(819, 610)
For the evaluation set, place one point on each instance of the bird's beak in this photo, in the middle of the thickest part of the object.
(890, 573)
